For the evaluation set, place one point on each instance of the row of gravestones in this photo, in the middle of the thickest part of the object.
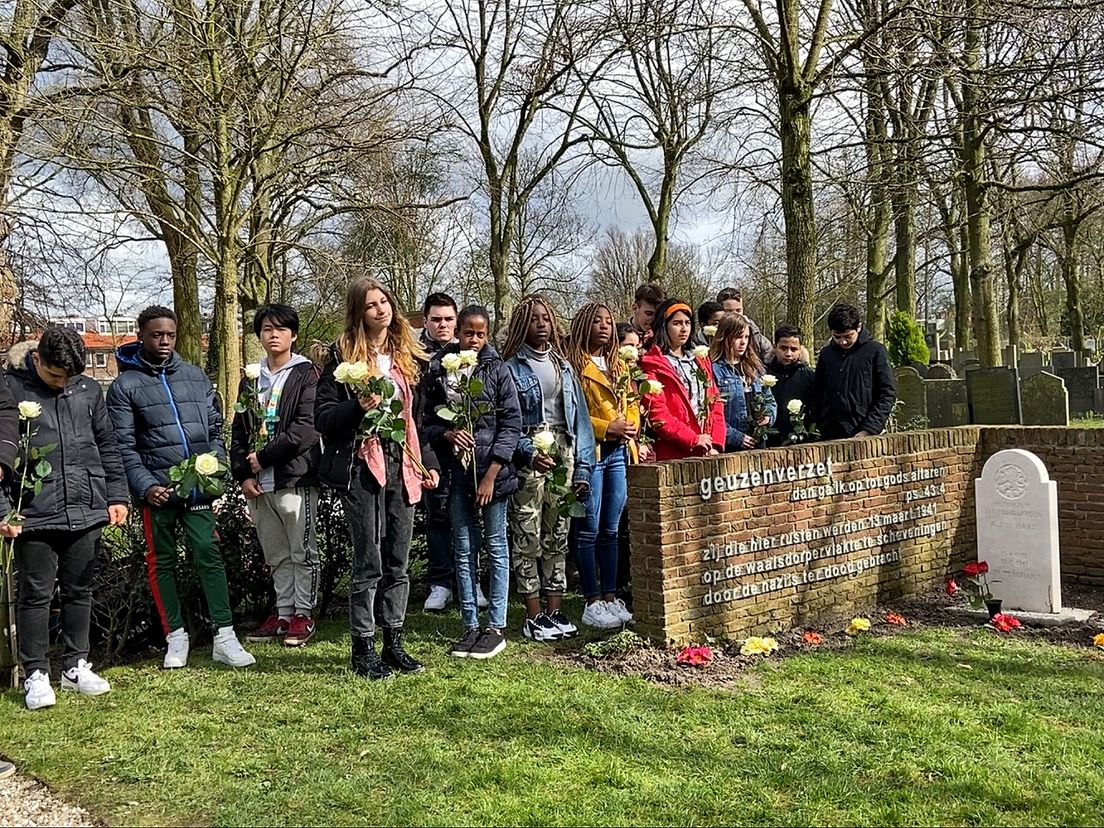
(985, 396)
(1082, 377)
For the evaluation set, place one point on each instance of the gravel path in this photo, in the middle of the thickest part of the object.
(24, 801)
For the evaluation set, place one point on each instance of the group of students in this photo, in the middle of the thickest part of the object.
(559, 414)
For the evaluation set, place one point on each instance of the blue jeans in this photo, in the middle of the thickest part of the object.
(596, 537)
(467, 541)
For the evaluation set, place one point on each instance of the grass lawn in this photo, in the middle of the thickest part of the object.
(1087, 422)
(938, 726)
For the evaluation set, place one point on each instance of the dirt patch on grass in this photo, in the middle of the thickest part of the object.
(626, 655)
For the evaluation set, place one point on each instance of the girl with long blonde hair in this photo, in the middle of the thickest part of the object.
(378, 481)
(739, 374)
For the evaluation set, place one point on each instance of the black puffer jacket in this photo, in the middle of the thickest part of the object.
(86, 470)
(337, 416)
(496, 433)
(162, 414)
(292, 452)
(853, 389)
(795, 382)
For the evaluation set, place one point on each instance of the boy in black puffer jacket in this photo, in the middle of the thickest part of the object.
(489, 449)
(84, 490)
(164, 411)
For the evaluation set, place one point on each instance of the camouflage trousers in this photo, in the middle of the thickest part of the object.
(538, 533)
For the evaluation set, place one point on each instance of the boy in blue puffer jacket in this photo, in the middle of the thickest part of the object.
(164, 411)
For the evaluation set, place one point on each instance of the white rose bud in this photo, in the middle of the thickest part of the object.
(769, 380)
(253, 371)
(206, 464)
(29, 410)
(358, 372)
(468, 358)
(794, 406)
(451, 363)
(709, 330)
(651, 386)
(628, 353)
(701, 352)
(341, 372)
(543, 441)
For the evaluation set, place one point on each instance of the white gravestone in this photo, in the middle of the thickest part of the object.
(1017, 531)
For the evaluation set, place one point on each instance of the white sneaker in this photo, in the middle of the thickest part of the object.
(480, 598)
(229, 650)
(81, 679)
(177, 653)
(37, 692)
(598, 615)
(438, 599)
(563, 623)
(618, 610)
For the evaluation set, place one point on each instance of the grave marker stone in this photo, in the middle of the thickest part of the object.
(941, 371)
(948, 404)
(1081, 385)
(994, 396)
(1061, 359)
(1017, 531)
(1044, 400)
(1031, 363)
(910, 391)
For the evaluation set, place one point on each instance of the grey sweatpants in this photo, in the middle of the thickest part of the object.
(285, 522)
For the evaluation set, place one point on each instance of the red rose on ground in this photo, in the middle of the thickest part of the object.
(813, 639)
(975, 569)
(694, 656)
(896, 620)
(952, 587)
(1005, 622)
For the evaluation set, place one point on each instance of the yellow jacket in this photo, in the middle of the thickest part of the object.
(603, 405)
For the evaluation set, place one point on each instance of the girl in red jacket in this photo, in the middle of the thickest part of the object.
(687, 416)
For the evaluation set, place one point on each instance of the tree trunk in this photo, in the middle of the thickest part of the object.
(904, 232)
(1071, 275)
(499, 255)
(797, 205)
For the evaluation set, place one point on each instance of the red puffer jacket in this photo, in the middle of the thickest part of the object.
(670, 414)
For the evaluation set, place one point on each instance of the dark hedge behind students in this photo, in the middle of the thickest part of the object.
(378, 482)
(85, 490)
(795, 380)
(853, 387)
(164, 411)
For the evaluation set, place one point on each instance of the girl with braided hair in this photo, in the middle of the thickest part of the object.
(552, 400)
(592, 348)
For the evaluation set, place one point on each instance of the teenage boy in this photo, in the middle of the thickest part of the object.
(439, 311)
(62, 522)
(795, 379)
(278, 480)
(732, 300)
(164, 412)
(853, 388)
(709, 314)
(646, 300)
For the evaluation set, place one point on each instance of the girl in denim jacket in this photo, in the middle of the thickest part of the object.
(551, 401)
(739, 374)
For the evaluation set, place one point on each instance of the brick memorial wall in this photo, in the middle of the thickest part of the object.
(766, 540)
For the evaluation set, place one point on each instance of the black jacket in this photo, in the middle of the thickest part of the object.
(86, 470)
(795, 382)
(9, 440)
(292, 451)
(853, 390)
(337, 415)
(162, 415)
(496, 433)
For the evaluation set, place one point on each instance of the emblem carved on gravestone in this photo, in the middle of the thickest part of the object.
(1011, 483)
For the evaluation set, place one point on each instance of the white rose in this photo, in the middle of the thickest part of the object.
(709, 330)
(29, 410)
(628, 353)
(701, 352)
(206, 464)
(358, 372)
(769, 380)
(253, 371)
(468, 358)
(543, 441)
(651, 386)
(451, 363)
(341, 372)
(794, 406)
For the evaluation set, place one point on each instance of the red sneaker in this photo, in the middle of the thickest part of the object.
(273, 627)
(300, 632)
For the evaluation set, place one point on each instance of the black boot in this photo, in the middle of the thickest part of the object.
(395, 655)
(366, 663)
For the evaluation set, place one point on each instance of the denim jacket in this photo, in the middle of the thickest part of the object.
(738, 422)
(575, 412)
